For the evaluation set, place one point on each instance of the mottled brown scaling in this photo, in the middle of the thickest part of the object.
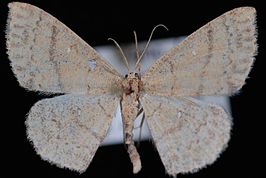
(189, 134)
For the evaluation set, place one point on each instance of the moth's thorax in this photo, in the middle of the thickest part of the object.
(131, 84)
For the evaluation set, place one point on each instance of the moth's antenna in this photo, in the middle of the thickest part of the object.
(121, 51)
(136, 43)
(137, 48)
(160, 25)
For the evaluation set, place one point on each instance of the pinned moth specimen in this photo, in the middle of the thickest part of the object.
(189, 134)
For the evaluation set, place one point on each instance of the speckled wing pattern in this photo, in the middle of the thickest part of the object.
(47, 56)
(214, 60)
(188, 133)
(67, 130)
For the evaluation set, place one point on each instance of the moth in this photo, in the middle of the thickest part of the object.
(189, 134)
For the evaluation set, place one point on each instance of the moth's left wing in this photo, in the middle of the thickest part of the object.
(47, 56)
(188, 133)
(214, 60)
(67, 130)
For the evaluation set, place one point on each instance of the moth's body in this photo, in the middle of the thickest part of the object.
(189, 134)
(130, 107)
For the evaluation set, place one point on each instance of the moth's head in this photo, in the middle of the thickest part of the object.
(132, 75)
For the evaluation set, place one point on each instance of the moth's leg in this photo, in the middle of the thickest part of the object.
(124, 134)
(141, 124)
(139, 66)
(187, 100)
(139, 113)
(140, 129)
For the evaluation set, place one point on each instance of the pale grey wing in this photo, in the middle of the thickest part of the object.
(67, 130)
(214, 60)
(47, 56)
(188, 133)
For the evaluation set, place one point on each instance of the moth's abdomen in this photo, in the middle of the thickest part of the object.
(130, 109)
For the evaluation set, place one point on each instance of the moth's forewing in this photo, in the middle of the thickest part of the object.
(214, 60)
(47, 56)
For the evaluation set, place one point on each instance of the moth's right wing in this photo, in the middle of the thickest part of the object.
(214, 60)
(188, 134)
(67, 130)
(47, 56)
